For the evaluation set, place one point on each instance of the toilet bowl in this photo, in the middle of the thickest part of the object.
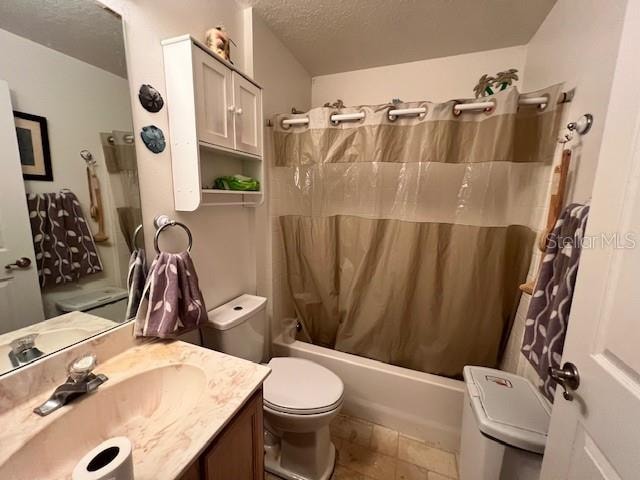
(300, 400)
(300, 396)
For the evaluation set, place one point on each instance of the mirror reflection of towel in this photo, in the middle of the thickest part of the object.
(136, 279)
(63, 243)
(172, 302)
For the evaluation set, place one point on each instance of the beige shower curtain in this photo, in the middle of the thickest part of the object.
(405, 240)
(120, 159)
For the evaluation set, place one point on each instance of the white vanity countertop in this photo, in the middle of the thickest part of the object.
(55, 333)
(71, 320)
(170, 399)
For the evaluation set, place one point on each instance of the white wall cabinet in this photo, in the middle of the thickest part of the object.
(247, 104)
(214, 99)
(215, 125)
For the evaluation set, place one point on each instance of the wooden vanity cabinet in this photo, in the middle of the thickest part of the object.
(238, 452)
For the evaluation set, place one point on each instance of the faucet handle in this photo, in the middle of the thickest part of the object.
(82, 367)
(21, 344)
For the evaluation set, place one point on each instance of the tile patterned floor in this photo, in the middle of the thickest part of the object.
(367, 451)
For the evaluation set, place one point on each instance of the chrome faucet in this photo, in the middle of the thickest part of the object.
(24, 350)
(81, 381)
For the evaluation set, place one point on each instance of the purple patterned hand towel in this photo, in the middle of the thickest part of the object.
(548, 315)
(136, 280)
(172, 302)
(64, 247)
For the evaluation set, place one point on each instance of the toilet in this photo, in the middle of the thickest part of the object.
(107, 302)
(300, 396)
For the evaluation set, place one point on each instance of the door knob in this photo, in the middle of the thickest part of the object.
(567, 377)
(238, 111)
(231, 108)
(21, 263)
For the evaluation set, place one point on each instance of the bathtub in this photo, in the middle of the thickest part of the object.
(417, 404)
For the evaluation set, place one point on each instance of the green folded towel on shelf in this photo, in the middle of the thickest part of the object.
(237, 182)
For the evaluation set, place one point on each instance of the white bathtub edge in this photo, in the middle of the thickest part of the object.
(429, 407)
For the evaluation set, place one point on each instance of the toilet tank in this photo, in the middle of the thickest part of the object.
(105, 302)
(238, 328)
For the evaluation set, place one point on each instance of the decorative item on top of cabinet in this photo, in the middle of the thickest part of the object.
(218, 40)
(215, 123)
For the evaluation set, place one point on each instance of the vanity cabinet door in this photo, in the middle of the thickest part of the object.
(247, 100)
(238, 453)
(214, 100)
(193, 472)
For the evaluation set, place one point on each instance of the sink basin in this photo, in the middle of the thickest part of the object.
(47, 342)
(170, 398)
(151, 404)
(52, 340)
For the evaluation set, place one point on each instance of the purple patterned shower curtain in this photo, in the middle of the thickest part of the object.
(64, 247)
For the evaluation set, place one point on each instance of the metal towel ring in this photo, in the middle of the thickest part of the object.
(172, 223)
(136, 232)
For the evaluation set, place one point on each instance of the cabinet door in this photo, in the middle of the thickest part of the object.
(238, 454)
(193, 472)
(247, 99)
(214, 100)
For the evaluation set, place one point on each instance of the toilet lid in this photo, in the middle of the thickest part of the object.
(301, 387)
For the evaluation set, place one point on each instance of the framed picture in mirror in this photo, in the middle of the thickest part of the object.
(33, 144)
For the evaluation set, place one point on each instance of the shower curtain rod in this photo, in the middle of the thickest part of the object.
(126, 138)
(400, 112)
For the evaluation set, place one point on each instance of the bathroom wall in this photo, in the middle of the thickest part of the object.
(223, 237)
(231, 245)
(79, 101)
(286, 84)
(577, 43)
(437, 79)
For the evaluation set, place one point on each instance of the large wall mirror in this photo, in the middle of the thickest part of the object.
(69, 197)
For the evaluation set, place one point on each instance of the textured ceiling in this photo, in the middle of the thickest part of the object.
(330, 36)
(78, 28)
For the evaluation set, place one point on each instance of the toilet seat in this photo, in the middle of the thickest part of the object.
(300, 387)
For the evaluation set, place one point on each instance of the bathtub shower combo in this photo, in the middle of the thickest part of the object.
(405, 231)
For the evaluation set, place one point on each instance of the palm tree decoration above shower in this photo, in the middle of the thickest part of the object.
(505, 79)
(488, 85)
(483, 88)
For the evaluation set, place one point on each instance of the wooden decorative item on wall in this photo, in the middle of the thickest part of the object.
(556, 202)
(96, 209)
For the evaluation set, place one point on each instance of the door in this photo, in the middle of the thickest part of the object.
(20, 301)
(597, 434)
(247, 99)
(214, 100)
